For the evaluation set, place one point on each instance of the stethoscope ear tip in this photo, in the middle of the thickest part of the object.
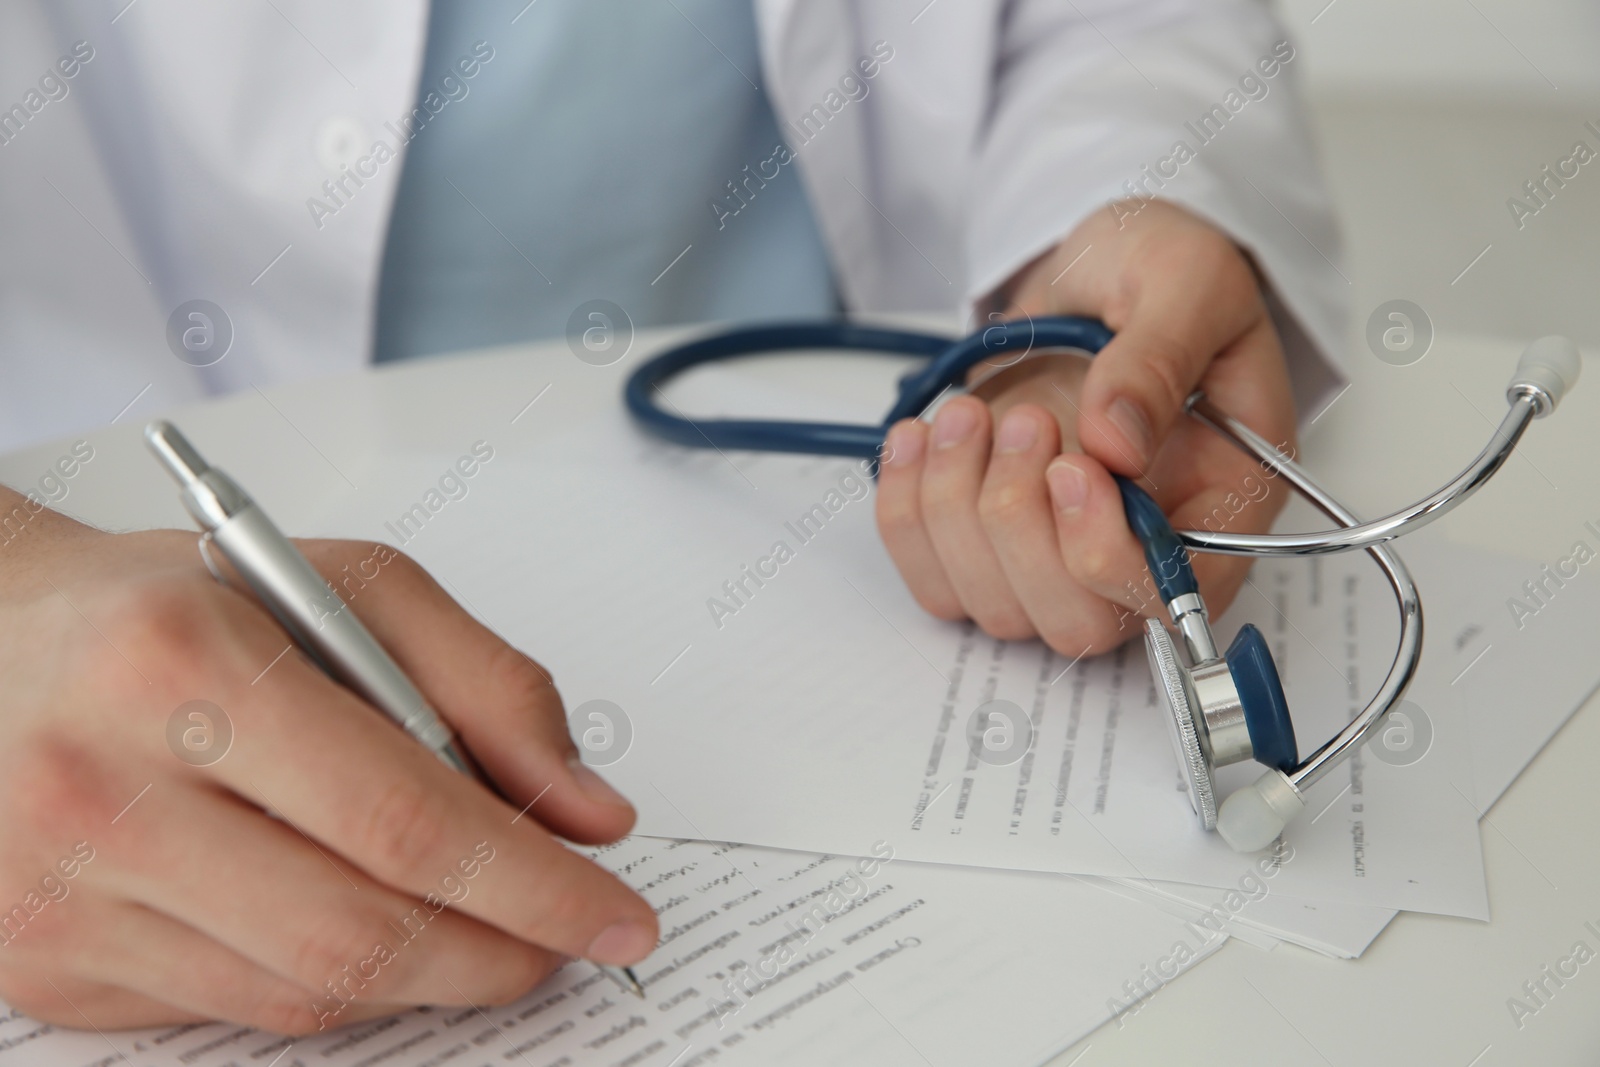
(1253, 817)
(1548, 369)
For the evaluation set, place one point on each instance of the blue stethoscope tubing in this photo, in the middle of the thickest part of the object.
(1548, 368)
(948, 364)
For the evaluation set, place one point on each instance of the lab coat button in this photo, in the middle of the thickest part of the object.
(339, 142)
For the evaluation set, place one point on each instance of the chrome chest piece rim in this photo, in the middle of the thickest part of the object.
(1180, 705)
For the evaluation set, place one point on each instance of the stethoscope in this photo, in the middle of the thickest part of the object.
(1221, 707)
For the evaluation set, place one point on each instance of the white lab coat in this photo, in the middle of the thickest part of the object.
(177, 164)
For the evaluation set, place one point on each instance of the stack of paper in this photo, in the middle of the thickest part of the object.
(825, 711)
(776, 687)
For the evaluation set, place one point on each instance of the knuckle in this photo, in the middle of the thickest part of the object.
(1003, 505)
(328, 945)
(1203, 247)
(405, 565)
(944, 500)
(164, 614)
(1094, 566)
(940, 603)
(1006, 624)
(898, 514)
(405, 832)
(1218, 258)
(1166, 371)
(519, 678)
(169, 638)
(168, 628)
(48, 790)
(1063, 639)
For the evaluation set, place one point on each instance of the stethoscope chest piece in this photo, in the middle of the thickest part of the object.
(1182, 717)
(1224, 709)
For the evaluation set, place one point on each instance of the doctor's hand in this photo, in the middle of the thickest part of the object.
(293, 861)
(1006, 512)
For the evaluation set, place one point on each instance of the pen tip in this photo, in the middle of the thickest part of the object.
(625, 978)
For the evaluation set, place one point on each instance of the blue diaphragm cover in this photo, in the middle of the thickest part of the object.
(1266, 712)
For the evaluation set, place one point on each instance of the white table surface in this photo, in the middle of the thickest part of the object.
(1430, 990)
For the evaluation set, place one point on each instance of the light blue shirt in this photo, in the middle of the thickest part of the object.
(589, 157)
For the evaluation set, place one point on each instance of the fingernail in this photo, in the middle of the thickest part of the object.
(953, 424)
(595, 787)
(904, 446)
(1068, 487)
(1018, 432)
(1126, 417)
(621, 943)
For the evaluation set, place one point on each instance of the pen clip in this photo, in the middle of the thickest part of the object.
(210, 561)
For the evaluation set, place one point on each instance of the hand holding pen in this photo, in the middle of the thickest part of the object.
(382, 811)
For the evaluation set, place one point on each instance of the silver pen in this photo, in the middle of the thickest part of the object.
(308, 608)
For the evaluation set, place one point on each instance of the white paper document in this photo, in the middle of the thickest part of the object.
(766, 957)
(781, 687)
(1254, 913)
(1525, 653)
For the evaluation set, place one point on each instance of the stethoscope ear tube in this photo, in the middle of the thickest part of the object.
(1003, 344)
(851, 440)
